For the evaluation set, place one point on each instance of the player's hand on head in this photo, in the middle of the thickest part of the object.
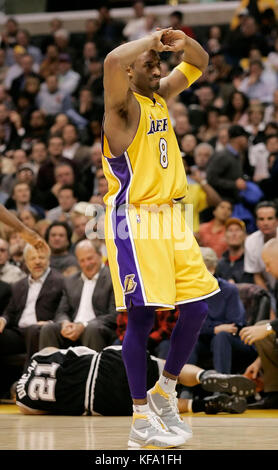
(157, 43)
(42, 246)
(174, 40)
(36, 241)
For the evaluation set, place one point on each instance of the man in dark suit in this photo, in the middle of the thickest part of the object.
(33, 303)
(218, 339)
(18, 84)
(5, 295)
(87, 313)
(225, 169)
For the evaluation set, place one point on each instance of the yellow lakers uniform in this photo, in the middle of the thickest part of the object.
(153, 256)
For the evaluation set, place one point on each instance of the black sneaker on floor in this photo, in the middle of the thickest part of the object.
(213, 381)
(224, 403)
(269, 402)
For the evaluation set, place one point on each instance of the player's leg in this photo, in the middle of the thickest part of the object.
(134, 350)
(230, 391)
(184, 336)
(219, 403)
(193, 283)
(212, 381)
(146, 430)
(140, 272)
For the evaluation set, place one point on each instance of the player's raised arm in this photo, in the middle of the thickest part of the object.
(194, 63)
(27, 234)
(116, 80)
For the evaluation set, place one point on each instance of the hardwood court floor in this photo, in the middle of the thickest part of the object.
(252, 430)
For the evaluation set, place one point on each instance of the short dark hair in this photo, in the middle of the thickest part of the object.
(55, 137)
(272, 124)
(59, 224)
(25, 31)
(256, 62)
(71, 125)
(64, 163)
(263, 204)
(12, 19)
(70, 188)
(178, 14)
(104, 4)
(224, 200)
(17, 183)
(270, 136)
(235, 131)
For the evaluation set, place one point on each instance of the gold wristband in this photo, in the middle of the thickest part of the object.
(191, 72)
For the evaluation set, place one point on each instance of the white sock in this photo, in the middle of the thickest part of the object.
(189, 404)
(167, 385)
(141, 409)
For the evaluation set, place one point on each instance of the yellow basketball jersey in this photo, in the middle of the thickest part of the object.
(151, 170)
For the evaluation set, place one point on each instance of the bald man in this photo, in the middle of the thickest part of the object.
(264, 335)
(87, 314)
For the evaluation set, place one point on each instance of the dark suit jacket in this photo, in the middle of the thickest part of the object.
(18, 84)
(5, 295)
(224, 307)
(103, 300)
(224, 168)
(47, 302)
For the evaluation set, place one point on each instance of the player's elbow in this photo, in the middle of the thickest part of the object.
(111, 62)
(205, 62)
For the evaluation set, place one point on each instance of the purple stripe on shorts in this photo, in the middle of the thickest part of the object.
(126, 261)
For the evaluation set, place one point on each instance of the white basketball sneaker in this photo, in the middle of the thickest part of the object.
(165, 406)
(148, 432)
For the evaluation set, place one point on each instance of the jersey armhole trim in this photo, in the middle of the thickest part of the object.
(115, 157)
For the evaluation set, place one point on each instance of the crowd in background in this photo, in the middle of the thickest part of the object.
(51, 111)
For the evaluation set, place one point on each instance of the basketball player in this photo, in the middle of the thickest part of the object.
(144, 169)
(27, 234)
(78, 380)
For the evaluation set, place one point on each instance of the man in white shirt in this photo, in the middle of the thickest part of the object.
(14, 70)
(87, 314)
(258, 85)
(68, 79)
(267, 223)
(33, 303)
(73, 149)
(258, 156)
(52, 99)
(135, 25)
(67, 201)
